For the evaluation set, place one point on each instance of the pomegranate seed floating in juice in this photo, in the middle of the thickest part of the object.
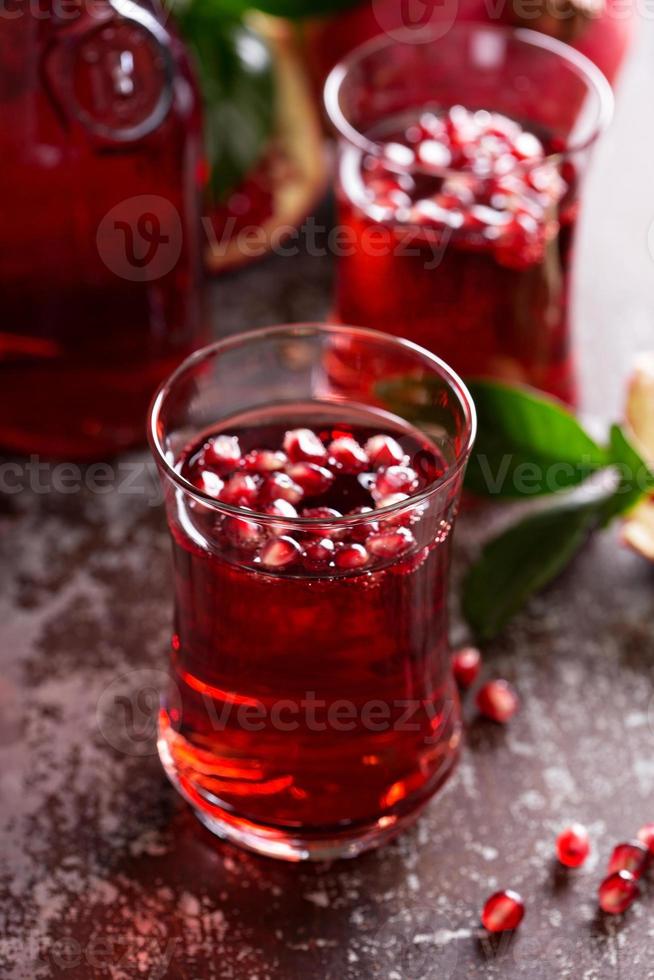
(458, 189)
(311, 710)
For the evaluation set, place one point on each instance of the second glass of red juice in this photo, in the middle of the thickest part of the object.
(312, 477)
(460, 160)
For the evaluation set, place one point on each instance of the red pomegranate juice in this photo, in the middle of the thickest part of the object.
(311, 693)
(459, 237)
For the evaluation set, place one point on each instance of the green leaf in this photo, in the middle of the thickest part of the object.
(288, 8)
(636, 480)
(523, 559)
(527, 444)
(235, 72)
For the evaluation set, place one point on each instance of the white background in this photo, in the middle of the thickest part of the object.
(614, 291)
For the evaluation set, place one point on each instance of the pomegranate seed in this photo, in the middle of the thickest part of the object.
(281, 508)
(352, 556)
(465, 665)
(398, 154)
(210, 483)
(503, 911)
(498, 701)
(395, 479)
(348, 454)
(303, 445)
(632, 856)
(500, 125)
(243, 533)
(646, 836)
(326, 514)
(384, 451)
(573, 846)
(280, 552)
(618, 892)
(319, 552)
(321, 513)
(390, 500)
(265, 461)
(391, 544)
(241, 490)
(223, 452)
(313, 479)
(386, 192)
(432, 125)
(433, 154)
(361, 532)
(526, 146)
(279, 486)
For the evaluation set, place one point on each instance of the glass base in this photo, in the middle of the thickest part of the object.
(302, 845)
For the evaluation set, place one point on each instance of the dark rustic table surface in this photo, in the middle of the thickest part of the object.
(104, 872)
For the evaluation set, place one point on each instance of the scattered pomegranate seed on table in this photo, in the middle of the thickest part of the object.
(618, 892)
(498, 701)
(503, 911)
(646, 836)
(631, 856)
(573, 846)
(466, 664)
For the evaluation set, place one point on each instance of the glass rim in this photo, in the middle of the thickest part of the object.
(308, 328)
(578, 62)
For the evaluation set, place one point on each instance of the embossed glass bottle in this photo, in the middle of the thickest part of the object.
(99, 248)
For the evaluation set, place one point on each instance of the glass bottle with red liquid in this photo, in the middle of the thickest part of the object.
(100, 247)
(312, 477)
(460, 162)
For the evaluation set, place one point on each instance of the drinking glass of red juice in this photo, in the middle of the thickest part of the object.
(312, 476)
(459, 167)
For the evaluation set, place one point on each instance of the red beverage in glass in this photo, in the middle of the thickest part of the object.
(457, 191)
(311, 710)
(100, 247)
